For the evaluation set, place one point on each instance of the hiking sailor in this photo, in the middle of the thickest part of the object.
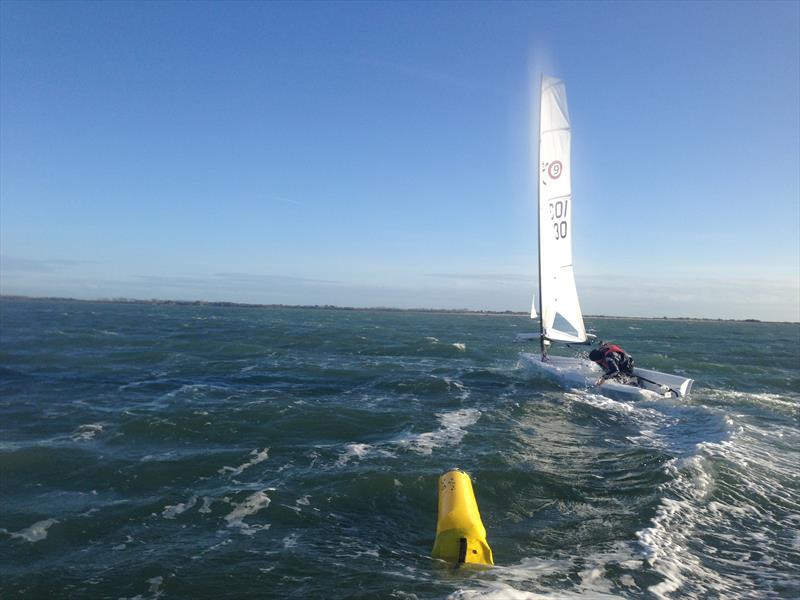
(615, 362)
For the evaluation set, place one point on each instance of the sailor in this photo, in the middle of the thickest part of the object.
(615, 362)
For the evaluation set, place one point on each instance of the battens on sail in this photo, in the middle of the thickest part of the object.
(561, 316)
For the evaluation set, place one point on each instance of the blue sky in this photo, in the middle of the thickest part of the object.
(370, 154)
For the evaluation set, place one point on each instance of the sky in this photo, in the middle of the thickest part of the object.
(381, 154)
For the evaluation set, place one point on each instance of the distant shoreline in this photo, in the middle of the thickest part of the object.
(446, 311)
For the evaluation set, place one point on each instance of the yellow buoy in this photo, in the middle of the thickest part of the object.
(460, 534)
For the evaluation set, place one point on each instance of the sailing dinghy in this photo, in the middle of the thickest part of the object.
(561, 320)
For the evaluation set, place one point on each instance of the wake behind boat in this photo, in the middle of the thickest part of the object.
(561, 319)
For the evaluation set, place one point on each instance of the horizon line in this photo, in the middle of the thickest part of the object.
(232, 304)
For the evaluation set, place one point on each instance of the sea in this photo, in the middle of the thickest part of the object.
(192, 451)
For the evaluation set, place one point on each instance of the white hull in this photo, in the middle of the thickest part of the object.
(581, 373)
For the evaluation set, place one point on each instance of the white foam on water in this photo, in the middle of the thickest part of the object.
(460, 346)
(353, 452)
(452, 430)
(173, 510)
(528, 572)
(667, 544)
(154, 589)
(170, 455)
(602, 402)
(251, 505)
(35, 533)
(216, 546)
(185, 388)
(299, 504)
(783, 402)
(463, 391)
(86, 432)
(123, 545)
(194, 390)
(667, 541)
(650, 422)
(724, 539)
(155, 584)
(354, 548)
(661, 423)
(707, 541)
(206, 507)
(258, 456)
(295, 508)
(432, 339)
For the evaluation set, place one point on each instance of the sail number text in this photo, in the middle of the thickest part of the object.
(558, 215)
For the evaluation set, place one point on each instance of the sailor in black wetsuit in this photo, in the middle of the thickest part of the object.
(615, 362)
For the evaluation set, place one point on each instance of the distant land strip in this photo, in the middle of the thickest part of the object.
(451, 311)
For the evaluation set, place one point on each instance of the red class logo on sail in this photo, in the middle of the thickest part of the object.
(554, 170)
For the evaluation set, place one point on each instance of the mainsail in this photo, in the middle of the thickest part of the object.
(561, 319)
(560, 310)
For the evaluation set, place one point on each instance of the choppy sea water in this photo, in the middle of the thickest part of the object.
(198, 452)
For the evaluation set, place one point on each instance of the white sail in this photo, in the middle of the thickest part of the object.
(560, 310)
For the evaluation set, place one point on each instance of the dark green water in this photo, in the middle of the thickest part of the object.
(199, 452)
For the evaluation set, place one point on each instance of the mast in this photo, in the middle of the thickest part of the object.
(539, 212)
